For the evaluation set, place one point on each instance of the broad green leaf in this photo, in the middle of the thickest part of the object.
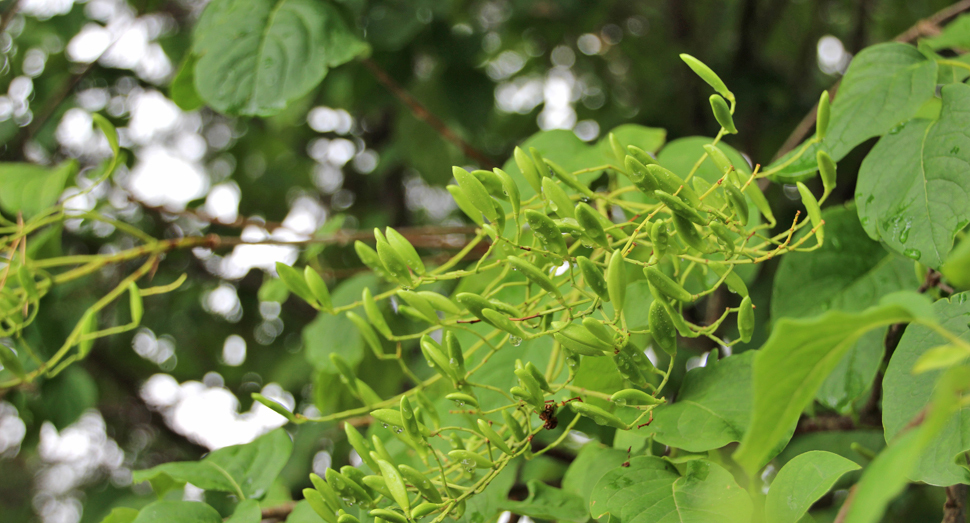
(249, 469)
(593, 461)
(905, 394)
(650, 139)
(802, 168)
(651, 489)
(712, 409)
(303, 513)
(548, 503)
(887, 475)
(30, 188)
(914, 186)
(330, 333)
(121, 515)
(885, 85)
(181, 511)
(836, 442)
(182, 89)
(804, 351)
(599, 374)
(801, 483)
(256, 56)
(954, 34)
(247, 511)
(849, 272)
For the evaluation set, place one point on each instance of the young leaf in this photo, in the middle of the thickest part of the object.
(30, 188)
(135, 303)
(801, 482)
(294, 282)
(181, 511)
(548, 503)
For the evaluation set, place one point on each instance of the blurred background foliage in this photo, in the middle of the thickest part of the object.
(345, 158)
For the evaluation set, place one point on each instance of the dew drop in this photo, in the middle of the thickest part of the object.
(904, 235)
(913, 253)
(398, 430)
(620, 402)
(384, 425)
(515, 340)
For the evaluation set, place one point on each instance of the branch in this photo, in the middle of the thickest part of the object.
(422, 113)
(955, 508)
(279, 512)
(8, 15)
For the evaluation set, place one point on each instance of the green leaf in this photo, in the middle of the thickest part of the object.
(548, 503)
(182, 89)
(652, 489)
(802, 168)
(957, 265)
(246, 512)
(294, 281)
(712, 409)
(181, 511)
(303, 513)
(804, 351)
(110, 133)
(801, 482)
(849, 272)
(650, 139)
(256, 56)
(593, 461)
(914, 185)
(954, 34)
(598, 374)
(121, 515)
(905, 394)
(885, 85)
(240, 469)
(329, 334)
(30, 188)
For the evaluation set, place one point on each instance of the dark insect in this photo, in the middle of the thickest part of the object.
(548, 415)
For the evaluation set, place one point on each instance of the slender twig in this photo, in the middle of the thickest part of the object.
(279, 512)
(9, 14)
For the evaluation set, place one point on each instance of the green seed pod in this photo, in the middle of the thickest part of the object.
(491, 182)
(326, 492)
(411, 425)
(569, 226)
(618, 151)
(379, 450)
(356, 475)
(580, 340)
(366, 332)
(660, 238)
(662, 328)
(666, 285)
(374, 314)
(688, 233)
(510, 189)
(288, 275)
(814, 212)
(394, 481)
(392, 261)
(411, 313)
(719, 158)
(272, 405)
(545, 229)
(634, 396)
(722, 113)
(476, 193)
(89, 324)
(822, 116)
(347, 518)
(135, 304)
(702, 187)
(318, 288)
(746, 319)
(593, 277)
(439, 302)
(616, 280)
(528, 169)
(722, 233)
(640, 359)
(678, 207)
(436, 358)
(367, 394)
(462, 399)
(827, 169)
(513, 425)
(421, 304)
(529, 382)
(539, 377)
(405, 250)
(470, 459)
(389, 515)
(369, 257)
(346, 373)
(733, 281)
(738, 203)
(424, 509)
(464, 204)
(360, 445)
(493, 437)
(476, 304)
(640, 155)
(316, 502)
(706, 74)
(502, 322)
(598, 415)
(558, 199)
(599, 329)
(640, 176)
(420, 482)
(377, 484)
(535, 275)
(586, 216)
(628, 368)
(758, 198)
(568, 179)
(388, 416)
(670, 183)
(540, 162)
(455, 356)
(347, 488)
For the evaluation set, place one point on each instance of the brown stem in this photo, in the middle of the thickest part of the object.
(955, 508)
(279, 512)
(8, 15)
(421, 113)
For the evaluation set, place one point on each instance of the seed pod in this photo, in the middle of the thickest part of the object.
(616, 280)
(593, 277)
(539, 377)
(758, 198)
(666, 285)
(569, 226)
(723, 114)
(455, 356)
(688, 233)
(420, 303)
(347, 518)
(272, 405)
(389, 515)
(660, 238)
(733, 281)
(405, 250)
(509, 189)
(377, 484)
(347, 488)
(424, 509)
(524, 395)
(827, 169)
(599, 329)
(617, 148)
(545, 229)
(491, 182)
(493, 436)
(462, 399)
(706, 74)
(420, 482)
(392, 261)
(578, 339)
(540, 162)
(568, 179)
(814, 212)
(327, 493)
(475, 304)
(702, 187)
(822, 116)
(379, 450)
(535, 275)
(529, 382)
(436, 358)
(502, 322)
(464, 204)
(316, 502)
(723, 234)
(476, 193)
(738, 204)
(288, 275)
(598, 415)
(670, 183)
(586, 216)
(411, 426)
(469, 459)
(638, 397)
(628, 368)
(346, 373)
(318, 288)
(369, 257)
(678, 207)
(719, 158)
(558, 199)
(440, 302)
(366, 332)
(662, 328)
(642, 178)
(640, 360)
(367, 394)
(89, 324)
(640, 155)
(374, 314)
(513, 425)
(356, 475)
(395, 483)
(360, 445)
(746, 319)
(528, 169)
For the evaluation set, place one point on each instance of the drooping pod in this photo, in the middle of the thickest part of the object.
(465, 204)
(642, 156)
(359, 444)
(317, 503)
(678, 207)
(503, 322)
(476, 193)
(717, 156)
(318, 288)
(366, 332)
(404, 248)
(688, 233)
(510, 189)
(640, 176)
(827, 170)
(374, 314)
(737, 201)
(733, 281)
(746, 319)
(327, 492)
(420, 482)
(586, 216)
(823, 115)
(461, 399)
(392, 260)
(545, 229)
(420, 303)
(470, 459)
(722, 113)
(814, 212)
(664, 284)
(616, 280)
(558, 199)
(528, 169)
(599, 329)
(670, 183)
(538, 376)
(436, 358)
(580, 340)
(661, 327)
(347, 488)
(568, 179)
(493, 437)
(395, 483)
(598, 415)
(535, 275)
(708, 75)
(635, 396)
(593, 277)
(723, 234)
(660, 238)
